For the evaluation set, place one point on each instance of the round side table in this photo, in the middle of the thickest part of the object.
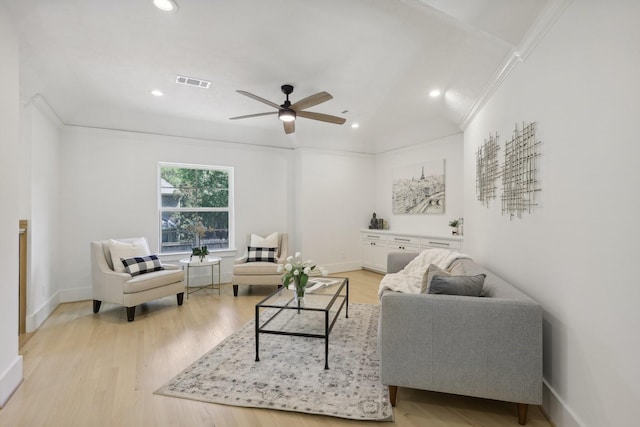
(210, 262)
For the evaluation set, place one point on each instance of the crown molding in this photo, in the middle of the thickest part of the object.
(542, 25)
(43, 106)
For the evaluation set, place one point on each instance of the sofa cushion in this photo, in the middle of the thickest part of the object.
(141, 265)
(255, 268)
(119, 250)
(429, 274)
(156, 279)
(271, 241)
(470, 286)
(433, 270)
(260, 254)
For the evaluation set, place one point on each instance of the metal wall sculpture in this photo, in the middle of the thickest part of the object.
(518, 172)
(487, 170)
(519, 182)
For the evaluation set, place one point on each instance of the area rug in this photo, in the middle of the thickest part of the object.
(290, 375)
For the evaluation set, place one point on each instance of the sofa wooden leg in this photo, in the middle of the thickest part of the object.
(522, 413)
(131, 312)
(393, 394)
(180, 297)
(235, 290)
(96, 305)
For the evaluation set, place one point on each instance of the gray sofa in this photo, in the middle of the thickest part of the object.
(488, 347)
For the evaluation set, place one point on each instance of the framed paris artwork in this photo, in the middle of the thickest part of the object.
(419, 188)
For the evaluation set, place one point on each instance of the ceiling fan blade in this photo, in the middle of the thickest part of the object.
(312, 100)
(321, 117)
(289, 127)
(253, 115)
(257, 98)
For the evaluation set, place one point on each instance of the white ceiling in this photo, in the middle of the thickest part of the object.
(94, 62)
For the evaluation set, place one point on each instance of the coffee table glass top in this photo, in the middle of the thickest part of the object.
(284, 314)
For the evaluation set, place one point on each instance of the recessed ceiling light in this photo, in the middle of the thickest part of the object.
(166, 5)
(355, 125)
(435, 93)
(156, 92)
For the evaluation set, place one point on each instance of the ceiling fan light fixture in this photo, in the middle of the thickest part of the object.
(166, 5)
(287, 115)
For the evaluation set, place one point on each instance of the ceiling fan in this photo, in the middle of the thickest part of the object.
(288, 112)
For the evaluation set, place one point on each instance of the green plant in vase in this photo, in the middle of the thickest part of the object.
(200, 250)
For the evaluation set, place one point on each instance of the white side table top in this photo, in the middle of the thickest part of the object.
(195, 261)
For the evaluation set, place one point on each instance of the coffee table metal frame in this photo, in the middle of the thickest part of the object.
(328, 323)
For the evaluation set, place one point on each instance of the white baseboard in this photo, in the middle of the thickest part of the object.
(557, 410)
(77, 294)
(10, 381)
(36, 319)
(343, 266)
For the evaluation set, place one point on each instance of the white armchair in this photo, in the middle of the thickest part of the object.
(247, 272)
(122, 288)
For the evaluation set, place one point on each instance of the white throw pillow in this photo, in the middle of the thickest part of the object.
(271, 241)
(118, 250)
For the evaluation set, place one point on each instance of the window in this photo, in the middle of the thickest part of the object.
(196, 207)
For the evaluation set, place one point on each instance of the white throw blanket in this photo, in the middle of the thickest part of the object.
(409, 279)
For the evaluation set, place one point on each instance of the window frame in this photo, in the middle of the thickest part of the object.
(229, 209)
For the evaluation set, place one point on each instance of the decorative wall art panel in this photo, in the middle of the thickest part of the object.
(518, 172)
(519, 182)
(419, 188)
(487, 169)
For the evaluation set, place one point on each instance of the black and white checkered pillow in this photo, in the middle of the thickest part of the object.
(141, 264)
(261, 254)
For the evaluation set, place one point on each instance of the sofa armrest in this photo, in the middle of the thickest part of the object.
(396, 261)
(241, 260)
(484, 347)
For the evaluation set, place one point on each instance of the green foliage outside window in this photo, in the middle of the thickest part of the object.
(194, 208)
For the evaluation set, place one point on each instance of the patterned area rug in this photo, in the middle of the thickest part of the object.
(290, 375)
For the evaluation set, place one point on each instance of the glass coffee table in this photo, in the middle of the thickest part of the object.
(280, 315)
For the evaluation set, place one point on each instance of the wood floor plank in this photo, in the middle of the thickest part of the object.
(85, 369)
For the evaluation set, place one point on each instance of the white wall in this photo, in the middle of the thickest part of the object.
(450, 149)
(334, 197)
(10, 361)
(41, 134)
(575, 254)
(109, 190)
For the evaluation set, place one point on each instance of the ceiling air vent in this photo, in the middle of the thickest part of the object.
(190, 81)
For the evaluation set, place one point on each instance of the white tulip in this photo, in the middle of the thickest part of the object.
(298, 255)
(289, 258)
(296, 272)
(307, 270)
(280, 268)
(288, 267)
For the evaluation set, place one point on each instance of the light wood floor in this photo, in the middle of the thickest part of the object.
(82, 369)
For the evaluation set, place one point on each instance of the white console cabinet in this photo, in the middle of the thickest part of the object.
(376, 244)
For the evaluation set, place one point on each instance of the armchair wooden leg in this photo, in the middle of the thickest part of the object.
(235, 290)
(96, 305)
(180, 297)
(131, 312)
(393, 394)
(522, 413)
